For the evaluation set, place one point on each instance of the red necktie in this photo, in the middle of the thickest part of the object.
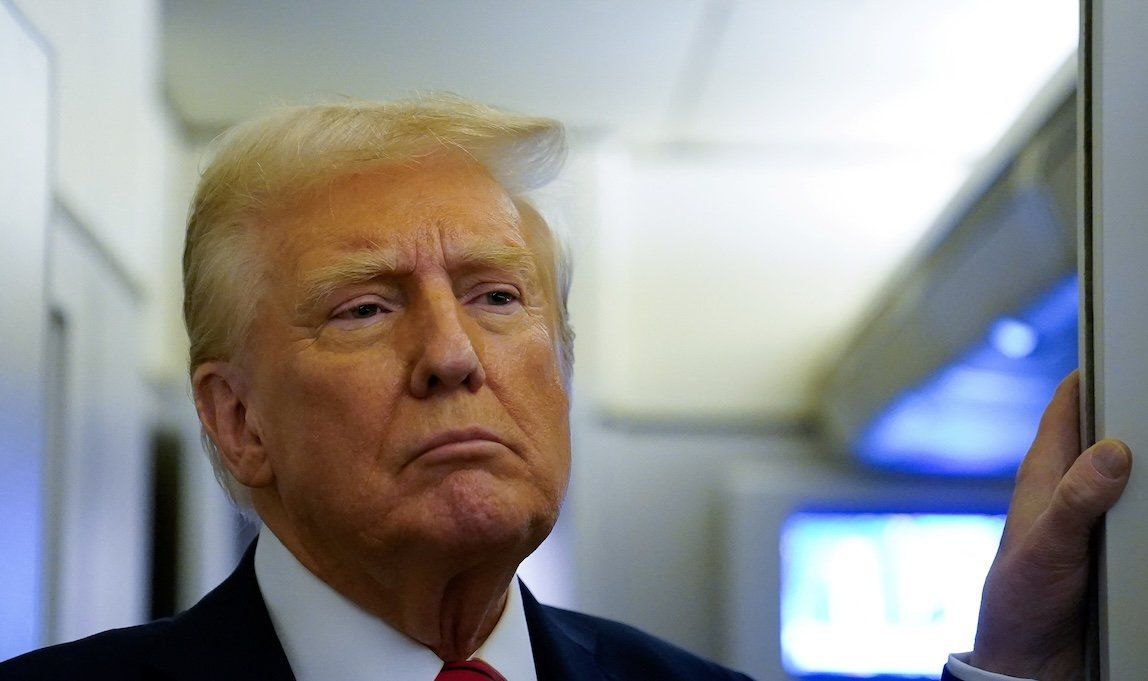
(469, 670)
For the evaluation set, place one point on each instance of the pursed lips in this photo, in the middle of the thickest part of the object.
(464, 443)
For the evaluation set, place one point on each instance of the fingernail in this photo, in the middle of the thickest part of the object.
(1110, 459)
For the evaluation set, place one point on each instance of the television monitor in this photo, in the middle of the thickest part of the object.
(881, 595)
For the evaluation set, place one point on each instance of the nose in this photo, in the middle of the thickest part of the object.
(446, 357)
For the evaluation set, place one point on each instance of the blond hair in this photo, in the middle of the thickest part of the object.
(262, 164)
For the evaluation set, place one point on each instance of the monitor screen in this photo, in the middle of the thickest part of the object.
(881, 594)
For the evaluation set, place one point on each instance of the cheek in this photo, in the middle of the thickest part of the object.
(528, 369)
(332, 403)
(529, 379)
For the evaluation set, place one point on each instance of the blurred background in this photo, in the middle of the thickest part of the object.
(824, 256)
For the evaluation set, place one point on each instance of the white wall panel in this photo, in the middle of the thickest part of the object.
(108, 165)
(100, 527)
(1117, 97)
(24, 135)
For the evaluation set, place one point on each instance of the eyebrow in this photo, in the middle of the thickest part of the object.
(354, 267)
(515, 260)
(364, 265)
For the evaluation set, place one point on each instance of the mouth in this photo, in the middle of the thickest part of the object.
(460, 445)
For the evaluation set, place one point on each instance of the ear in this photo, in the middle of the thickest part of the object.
(221, 397)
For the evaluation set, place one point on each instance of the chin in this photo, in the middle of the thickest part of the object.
(477, 512)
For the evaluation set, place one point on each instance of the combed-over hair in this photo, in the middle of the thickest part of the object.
(266, 162)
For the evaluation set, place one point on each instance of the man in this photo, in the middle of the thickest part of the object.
(380, 356)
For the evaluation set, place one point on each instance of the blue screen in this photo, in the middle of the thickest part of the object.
(881, 594)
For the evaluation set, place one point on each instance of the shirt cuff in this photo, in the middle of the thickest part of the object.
(961, 670)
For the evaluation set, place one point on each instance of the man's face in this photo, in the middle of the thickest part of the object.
(402, 372)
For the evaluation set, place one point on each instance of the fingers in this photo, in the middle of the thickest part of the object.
(1029, 625)
(1053, 451)
(1059, 431)
(1089, 489)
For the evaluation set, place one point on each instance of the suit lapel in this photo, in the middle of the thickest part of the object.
(227, 635)
(561, 652)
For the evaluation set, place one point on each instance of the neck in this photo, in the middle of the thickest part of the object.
(452, 617)
(448, 603)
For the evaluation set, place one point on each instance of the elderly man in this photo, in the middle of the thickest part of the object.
(380, 357)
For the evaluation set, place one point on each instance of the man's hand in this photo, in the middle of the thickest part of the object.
(1031, 621)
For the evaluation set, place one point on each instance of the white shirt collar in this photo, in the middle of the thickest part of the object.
(326, 636)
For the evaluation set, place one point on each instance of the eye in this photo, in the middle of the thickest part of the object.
(360, 312)
(500, 298)
(495, 298)
(363, 311)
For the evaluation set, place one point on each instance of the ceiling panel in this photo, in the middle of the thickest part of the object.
(945, 77)
(591, 63)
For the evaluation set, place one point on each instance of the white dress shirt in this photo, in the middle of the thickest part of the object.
(960, 668)
(326, 636)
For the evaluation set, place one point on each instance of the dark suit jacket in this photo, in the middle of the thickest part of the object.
(229, 635)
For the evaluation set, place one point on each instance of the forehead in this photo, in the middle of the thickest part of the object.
(446, 204)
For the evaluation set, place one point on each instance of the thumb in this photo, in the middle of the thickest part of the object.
(1091, 487)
